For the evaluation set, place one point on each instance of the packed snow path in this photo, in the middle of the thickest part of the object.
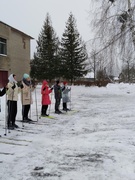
(95, 143)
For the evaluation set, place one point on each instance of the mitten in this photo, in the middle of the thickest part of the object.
(13, 87)
(21, 86)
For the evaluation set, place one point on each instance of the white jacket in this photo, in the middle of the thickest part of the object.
(12, 94)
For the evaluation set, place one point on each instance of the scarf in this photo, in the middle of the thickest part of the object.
(28, 83)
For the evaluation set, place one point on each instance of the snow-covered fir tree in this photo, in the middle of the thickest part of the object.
(73, 52)
(45, 64)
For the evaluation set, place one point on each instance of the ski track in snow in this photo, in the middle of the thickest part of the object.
(95, 143)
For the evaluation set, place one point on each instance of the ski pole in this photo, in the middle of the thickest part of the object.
(0, 105)
(50, 104)
(70, 98)
(30, 100)
(10, 105)
(22, 108)
(36, 104)
(0, 109)
(6, 116)
(7, 113)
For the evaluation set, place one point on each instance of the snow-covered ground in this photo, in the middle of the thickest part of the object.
(97, 142)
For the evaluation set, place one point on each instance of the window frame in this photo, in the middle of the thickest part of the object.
(3, 46)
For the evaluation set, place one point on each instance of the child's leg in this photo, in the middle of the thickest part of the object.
(26, 109)
(64, 106)
(46, 107)
(43, 110)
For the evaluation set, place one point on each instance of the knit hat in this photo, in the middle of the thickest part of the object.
(25, 76)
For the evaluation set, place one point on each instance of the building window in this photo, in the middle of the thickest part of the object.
(3, 46)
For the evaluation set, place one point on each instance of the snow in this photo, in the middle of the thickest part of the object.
(94, 142)
(90, 75)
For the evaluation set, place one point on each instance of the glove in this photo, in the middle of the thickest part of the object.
(13, 87)
(44, 88)
(52, 88)
(21, 86)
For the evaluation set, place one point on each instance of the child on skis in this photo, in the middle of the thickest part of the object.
(45, 91)
(26, 97)
(12, 97)
(65, 96)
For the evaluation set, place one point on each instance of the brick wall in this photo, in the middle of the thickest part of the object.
(17, 60)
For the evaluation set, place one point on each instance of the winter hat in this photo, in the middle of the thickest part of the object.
(65, 82)
(57, 82)
(25, 76)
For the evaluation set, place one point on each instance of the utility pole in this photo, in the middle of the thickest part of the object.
(94, 56)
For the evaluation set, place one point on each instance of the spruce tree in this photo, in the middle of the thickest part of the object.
(45, 62)
(73, 52)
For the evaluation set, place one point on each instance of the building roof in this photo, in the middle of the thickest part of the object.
(17, 30)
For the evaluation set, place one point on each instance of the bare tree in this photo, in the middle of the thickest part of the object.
(114, 25)
(93, 63)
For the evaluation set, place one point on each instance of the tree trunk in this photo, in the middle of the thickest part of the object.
(131, 24)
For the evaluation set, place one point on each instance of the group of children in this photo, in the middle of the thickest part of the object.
(59, 93)
(12, 90)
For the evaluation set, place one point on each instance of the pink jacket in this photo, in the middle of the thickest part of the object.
(45, 91)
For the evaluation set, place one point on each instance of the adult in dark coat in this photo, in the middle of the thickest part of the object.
(12, 97)
(58, 96)
(3, 91)
(26, 97)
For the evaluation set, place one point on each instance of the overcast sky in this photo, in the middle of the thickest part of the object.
(29, 15)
